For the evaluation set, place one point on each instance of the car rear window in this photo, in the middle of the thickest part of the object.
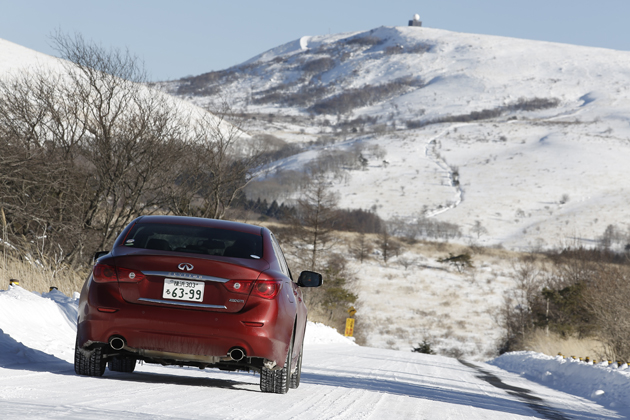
(195, 240)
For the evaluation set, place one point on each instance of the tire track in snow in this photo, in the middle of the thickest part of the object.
(354, 403)
(523, 394)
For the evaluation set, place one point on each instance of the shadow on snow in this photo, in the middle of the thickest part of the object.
(448, 396)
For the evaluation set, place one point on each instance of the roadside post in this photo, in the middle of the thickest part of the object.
(350, 322)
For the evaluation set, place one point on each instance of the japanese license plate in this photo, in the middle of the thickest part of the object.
(183, 290)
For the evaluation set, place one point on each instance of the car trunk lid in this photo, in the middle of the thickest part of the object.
(206, 284)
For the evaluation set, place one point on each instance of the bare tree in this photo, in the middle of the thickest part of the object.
(218, 164)
(478, 229)
(315, 217)
(87, 148)
(361, 247)
(407, 262)
(406, 230)
(385, 243)
(41, 173)
(84, 149)
(517, 314)
(610, 237)
(130, 132)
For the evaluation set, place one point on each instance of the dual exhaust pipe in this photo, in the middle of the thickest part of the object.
(118, 343)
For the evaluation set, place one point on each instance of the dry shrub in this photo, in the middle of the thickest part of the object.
(551, 344)
(608, 300)
(329, 304)
(40, 277)
(584, 294)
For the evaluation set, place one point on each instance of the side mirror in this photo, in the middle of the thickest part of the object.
(310, 279)
(98, 255)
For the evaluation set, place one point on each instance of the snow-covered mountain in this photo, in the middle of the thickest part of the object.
(529, 138)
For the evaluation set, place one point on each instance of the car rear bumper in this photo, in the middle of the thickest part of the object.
(186, 331)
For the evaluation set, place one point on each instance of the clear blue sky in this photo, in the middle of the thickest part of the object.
(190, 37)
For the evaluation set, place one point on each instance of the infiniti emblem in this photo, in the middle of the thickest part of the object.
(185, 266)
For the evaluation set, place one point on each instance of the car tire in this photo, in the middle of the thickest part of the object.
(122, 365)
(89, 362)
(295, 376)
(277, 381)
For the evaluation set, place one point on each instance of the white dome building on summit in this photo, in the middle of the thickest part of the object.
(415, 21)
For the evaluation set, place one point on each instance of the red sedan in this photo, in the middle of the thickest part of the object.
(195, 292)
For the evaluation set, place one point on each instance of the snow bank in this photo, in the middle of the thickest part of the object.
(605, 385)
(13, 352)
(36, 328)
(317, 333)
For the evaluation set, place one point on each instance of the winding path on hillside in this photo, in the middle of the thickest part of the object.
(431, 152)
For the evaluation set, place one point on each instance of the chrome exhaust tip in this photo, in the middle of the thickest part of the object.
(117, 343)
(236, 354)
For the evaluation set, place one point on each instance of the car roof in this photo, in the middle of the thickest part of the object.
(200, 221)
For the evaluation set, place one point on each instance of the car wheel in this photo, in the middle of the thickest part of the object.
(277, 381)
(89, 362)
(295, 376)
(121, 365)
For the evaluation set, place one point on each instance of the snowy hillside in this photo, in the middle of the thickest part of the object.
(530, 138)
(339, 380)
(16, 61)
(15, 58)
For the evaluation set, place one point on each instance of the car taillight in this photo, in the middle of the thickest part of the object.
(267, 289)
(239, 286)
(126, 275)
(103, 273)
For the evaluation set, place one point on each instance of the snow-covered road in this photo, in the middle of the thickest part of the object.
(340, 380)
